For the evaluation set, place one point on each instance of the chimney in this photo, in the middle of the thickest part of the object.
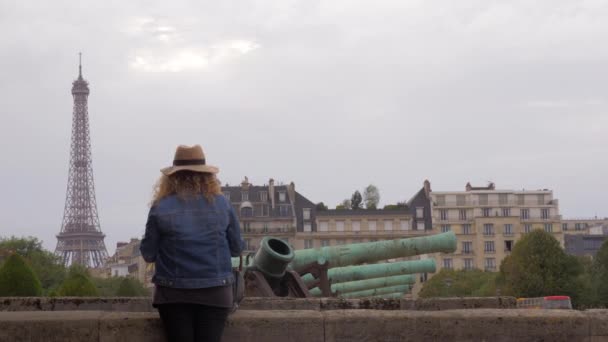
(291, 192)
(427, 188)
(271, 192)
(468, 187)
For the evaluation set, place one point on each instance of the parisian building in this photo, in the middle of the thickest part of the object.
(488, 222)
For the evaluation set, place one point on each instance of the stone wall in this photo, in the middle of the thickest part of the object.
(318, 304)
(494, 325)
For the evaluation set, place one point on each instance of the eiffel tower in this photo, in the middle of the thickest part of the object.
(80, 240)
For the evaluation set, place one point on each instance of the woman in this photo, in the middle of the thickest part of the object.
(191, 233)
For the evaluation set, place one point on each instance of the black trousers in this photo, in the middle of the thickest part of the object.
(193, 322)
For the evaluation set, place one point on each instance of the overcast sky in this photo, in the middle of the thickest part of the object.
(332, 95)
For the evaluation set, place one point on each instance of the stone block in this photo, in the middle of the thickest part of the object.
(130, 327)
(39, 326)
(274, 326)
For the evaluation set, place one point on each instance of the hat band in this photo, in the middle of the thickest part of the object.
(184, 162)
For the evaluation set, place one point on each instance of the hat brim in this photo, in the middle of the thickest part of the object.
(167, 171)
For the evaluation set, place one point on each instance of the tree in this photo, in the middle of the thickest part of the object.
(538, 266)
(46, 265)
(130, 287)
(599, 276)
(398, 206)
(18, 279)
(321, 206)
(463, 283)
(77, 284)
(355, 200)
(344, 205)
(371, 197)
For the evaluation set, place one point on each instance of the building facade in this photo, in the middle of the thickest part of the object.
(488, 222)
(270, 210)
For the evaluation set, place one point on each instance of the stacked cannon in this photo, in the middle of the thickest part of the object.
(277, 270)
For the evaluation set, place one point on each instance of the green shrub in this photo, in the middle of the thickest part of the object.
(130, 287)
(77, 284)
(18, 279)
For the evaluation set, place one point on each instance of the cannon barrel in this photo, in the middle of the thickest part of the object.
(362, 272)
(368, 284)
(390, 295)
(272, 257)
(359, 253)
(376, 292)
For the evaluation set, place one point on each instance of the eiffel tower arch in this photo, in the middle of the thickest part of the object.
(80, 240)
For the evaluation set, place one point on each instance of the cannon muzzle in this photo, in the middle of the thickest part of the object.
(360, 285)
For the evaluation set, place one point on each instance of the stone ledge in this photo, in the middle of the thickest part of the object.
(124, 304)
(307, 325)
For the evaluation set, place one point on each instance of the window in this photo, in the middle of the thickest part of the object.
(462, 214)
(447, 263)
(467, 247)
(468, 264)
(323, 226)
(488, 229)
(248, 244)
(520, 200)
(440, 199)
(263, 196)
(325, 243)
(244, 196)
(419, 212)
(419, 225)
(549, 227)
(445, 228)
(508, 245)
(308, 244)
(527, 228)
(340, 242)
(306, 213)
(339, 226)
(490, 264)
(461, 200)
(443, 215)
(502, 199)
(508, 229)
(540, 199)
(483, 199)
(544, 214)
(282, 196)
(404, 225)
(388, 224)
(307, 227)
(564, 226)
(371, 225)
(525, 214)
(227, 195)
(488, 247)
(578, 226)
(485, 212)
(246, 212)
(466, 229)
(506, 211)
(246, 226)
(284, 210)
(356, 226)
(265, 210)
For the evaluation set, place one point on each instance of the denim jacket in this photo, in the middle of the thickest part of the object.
(191, 240)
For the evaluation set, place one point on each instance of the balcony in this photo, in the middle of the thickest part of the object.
(490, 251)
(266, 231)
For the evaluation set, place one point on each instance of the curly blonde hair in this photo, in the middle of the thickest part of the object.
(186, 183)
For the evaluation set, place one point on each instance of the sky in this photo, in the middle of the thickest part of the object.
(332, 95)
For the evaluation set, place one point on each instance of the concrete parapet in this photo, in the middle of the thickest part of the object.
(319, 304)
(307, 325)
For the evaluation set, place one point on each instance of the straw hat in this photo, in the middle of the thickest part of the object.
(191, 159)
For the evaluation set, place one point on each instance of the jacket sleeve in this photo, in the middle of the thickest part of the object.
(233, 233)
(150, 242)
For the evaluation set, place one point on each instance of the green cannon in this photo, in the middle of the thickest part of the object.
(368, 284)
(359, 253)
(363, 272)
(390, 295)
(377, 292)
(276, 269)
